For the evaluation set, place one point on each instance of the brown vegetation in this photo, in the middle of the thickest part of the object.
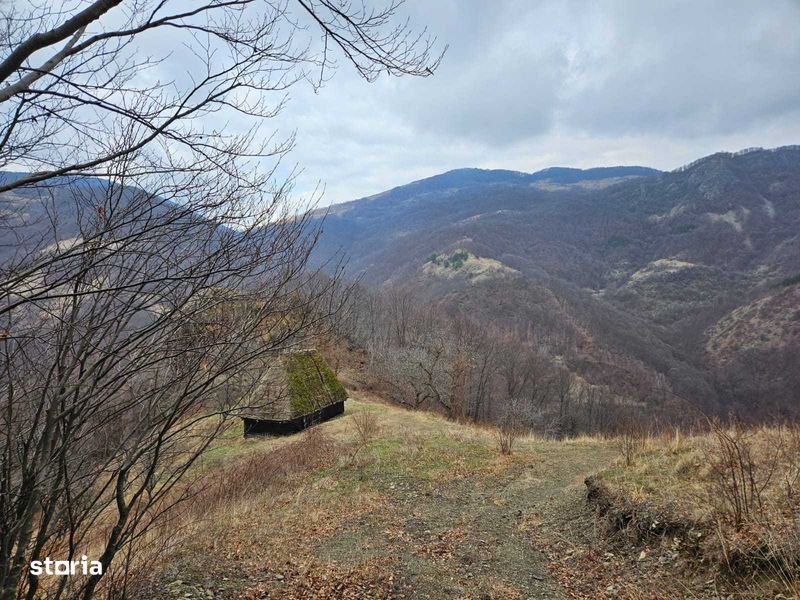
(434, 512)
(423, 358)
(674, 288)
(729, 495)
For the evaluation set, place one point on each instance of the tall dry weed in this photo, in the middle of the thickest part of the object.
(752, 489)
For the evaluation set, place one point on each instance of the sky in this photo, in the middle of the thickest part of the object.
(529, 84)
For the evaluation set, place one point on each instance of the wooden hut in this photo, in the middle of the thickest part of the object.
(303, 392)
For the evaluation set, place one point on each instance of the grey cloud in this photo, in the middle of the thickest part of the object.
(687, 68)
(527, 85)
(683, 67)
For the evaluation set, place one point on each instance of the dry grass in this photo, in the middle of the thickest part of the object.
(239, 479)
(260, 471)
(736, 485)
(302, 507)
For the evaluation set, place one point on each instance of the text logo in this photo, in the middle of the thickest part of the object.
(66, 567)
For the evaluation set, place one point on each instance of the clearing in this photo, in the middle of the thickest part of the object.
(383, 502)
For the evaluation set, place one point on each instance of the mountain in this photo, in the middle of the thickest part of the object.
(63, 210)
(635, 279)
(445, 200)
(462, 178)
(685, 276)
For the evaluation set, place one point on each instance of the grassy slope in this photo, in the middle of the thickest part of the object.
(427, 509)
(675, 494)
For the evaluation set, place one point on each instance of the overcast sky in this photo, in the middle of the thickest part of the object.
(528, 84)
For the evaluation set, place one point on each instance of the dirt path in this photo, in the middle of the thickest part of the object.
(472, 536)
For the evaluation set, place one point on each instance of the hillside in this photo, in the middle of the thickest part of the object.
(422, 508)
(384, 502)
(369, 228)
(640, 266)
(419, 507)
(33, 219)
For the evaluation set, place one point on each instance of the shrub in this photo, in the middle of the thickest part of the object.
(632, 443)
(511, 428)
(752, 491)
(789, 281)
(366, 426)
(730, 495)
(737, 481)
(458, 259)
(684, 228)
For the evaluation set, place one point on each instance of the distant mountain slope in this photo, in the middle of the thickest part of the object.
(469, 178)
(662, 256)
(627, 275)
(60, 213)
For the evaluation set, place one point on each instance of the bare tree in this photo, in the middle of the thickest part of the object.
(511, 419)
(74, 80)
(401, 309)
(159, 322)
(141, 309)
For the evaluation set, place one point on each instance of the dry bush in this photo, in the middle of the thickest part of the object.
(506, 436)
(632, 443)
(737, 481)
(752, 491)
(677, 441)
(510, 429)
(366, 426)
(781, 532)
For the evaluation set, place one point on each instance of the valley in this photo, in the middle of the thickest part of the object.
(322, 299)
(623, 269)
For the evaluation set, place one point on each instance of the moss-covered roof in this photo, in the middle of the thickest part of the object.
(299, 384)
(311, 383)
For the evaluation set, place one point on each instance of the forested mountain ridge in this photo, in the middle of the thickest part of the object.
(438, 200)
(632, 278)
(638, 270)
